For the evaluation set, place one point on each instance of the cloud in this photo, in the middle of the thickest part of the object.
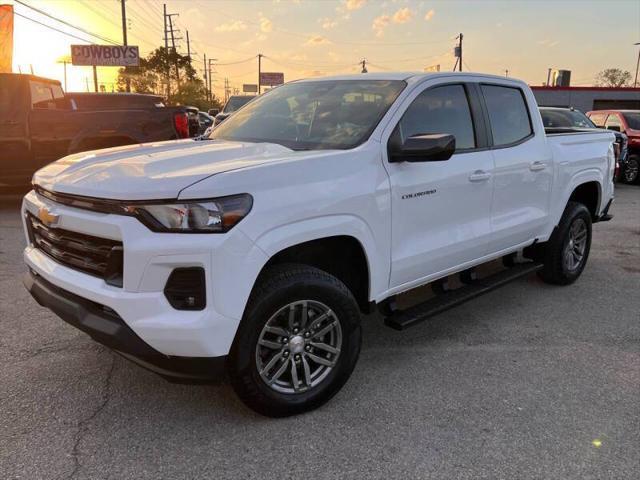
(548, 43)
(354, 4)
(328, 23)
(316, 40)
(266, 25)
(429, 15)
(403, 15)
(235, 26)
(380, 23)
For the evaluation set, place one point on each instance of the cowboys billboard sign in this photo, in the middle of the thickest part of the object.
(105, 55)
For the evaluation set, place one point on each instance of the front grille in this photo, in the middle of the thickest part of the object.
(100, 257)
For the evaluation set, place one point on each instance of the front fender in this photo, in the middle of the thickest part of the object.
(295, 233)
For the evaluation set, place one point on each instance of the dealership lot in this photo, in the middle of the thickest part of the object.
(530, 381)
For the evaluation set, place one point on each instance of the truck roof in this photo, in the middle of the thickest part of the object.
(28, 76)
(411, 77)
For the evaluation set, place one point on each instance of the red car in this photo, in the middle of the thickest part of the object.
(627, 122)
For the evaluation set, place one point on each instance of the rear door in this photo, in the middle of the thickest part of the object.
(523, 168)
(441, 209)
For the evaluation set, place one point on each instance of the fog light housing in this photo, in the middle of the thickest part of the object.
(186, 289)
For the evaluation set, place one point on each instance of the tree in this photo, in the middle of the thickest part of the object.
(185, 88)
(613, 77)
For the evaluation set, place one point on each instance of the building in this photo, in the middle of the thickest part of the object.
(588, 98)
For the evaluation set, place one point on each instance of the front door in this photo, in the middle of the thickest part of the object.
(440, 209)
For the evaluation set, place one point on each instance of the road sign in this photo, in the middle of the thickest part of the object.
(105, 55)
(250, 88)
(271, 78)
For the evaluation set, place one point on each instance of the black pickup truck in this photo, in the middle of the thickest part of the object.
(40, 124)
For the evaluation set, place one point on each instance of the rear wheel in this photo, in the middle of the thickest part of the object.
(631, 170)
(298, 342)
(565, 254)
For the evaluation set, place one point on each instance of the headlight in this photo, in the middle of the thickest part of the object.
(217, 215)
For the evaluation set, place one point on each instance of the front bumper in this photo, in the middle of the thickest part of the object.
(231, 262)
(106, 327)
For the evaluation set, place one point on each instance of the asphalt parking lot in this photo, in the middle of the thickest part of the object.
(530, 381)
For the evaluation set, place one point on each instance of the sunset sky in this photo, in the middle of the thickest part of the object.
(313, 37)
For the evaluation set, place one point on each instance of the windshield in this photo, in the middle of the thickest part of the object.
(633, 120)
(234, 103)
(565, 119)
(337, 114)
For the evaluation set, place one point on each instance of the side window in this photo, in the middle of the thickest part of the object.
(598, 119)
(613, 121)
(41, 96)
(440, 110)
(508, 114)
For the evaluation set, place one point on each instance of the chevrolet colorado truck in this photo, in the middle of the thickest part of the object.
(255, 250)
(39, 123)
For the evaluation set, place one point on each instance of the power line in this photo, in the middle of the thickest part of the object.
(53, 28)
(105, 39)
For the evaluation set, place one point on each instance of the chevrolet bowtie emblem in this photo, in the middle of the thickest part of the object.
(46, 217)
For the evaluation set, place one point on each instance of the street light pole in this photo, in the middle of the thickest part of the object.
(635, 82)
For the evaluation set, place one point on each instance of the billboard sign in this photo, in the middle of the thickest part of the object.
(250, 88)
(6, 38)
(105, 55)
(271, 78)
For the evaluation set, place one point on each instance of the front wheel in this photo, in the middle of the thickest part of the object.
(565, 254)
(298, 342)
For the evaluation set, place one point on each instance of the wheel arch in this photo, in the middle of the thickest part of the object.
(342, 256)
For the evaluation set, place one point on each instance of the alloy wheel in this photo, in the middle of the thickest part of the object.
(298, 346)
(576, 245)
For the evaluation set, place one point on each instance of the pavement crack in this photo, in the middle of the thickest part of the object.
(84, 424)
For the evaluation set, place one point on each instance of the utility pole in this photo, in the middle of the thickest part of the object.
(173, 45)
(460, 45)
(259, 71)
(95, 78)
(364, 66)
(210, 79)
(457, 52)
(548, 77)
(206, 77)
(188, 48)
(635, 82)
(166, 50)
(124, 40)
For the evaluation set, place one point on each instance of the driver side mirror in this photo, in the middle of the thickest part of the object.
(214, 111)
(432, 147)
(615, 128)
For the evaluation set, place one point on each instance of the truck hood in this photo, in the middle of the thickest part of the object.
(153, 171)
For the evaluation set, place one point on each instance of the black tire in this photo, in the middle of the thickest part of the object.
(276, 288)
(556, 270)
(630, 173)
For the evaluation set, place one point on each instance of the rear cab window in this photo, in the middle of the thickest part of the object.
(42, 95)
(509, 117)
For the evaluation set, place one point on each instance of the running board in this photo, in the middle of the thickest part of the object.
(403, 319)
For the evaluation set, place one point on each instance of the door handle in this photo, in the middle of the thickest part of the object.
(479, 176)
(537, 166)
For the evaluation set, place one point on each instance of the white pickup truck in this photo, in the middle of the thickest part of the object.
(255, 250)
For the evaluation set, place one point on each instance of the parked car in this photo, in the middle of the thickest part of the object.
(627, 122)
(205, 121)
(39, 124)
(257, 251)
(194, 120)
(234, 103)
(557, 119)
